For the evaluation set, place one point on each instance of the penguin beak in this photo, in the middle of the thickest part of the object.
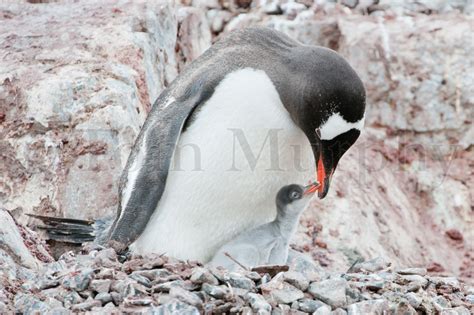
(324, 170)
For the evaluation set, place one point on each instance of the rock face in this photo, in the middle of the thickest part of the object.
(78, 79)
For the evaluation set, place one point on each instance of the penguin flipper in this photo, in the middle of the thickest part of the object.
(144, 177)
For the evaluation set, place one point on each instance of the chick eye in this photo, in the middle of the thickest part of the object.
(318, 133)
(295, 195)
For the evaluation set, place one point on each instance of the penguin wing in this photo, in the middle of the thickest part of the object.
(144, 177)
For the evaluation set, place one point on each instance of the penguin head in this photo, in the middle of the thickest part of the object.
(292, 198)
(326, 99)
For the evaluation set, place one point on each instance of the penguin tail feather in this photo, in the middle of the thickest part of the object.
(66, 230)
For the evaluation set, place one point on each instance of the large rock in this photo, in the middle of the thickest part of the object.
(77, 81)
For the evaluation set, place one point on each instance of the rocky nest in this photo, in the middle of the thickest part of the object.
(97, 280)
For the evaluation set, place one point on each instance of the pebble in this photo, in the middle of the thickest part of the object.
(309, 305)
(413, 299)
(239, 281)
(296, 279)
(78, 281)
(258, 303)
(100, 285)
(323, 310)
(103, 297)
(202, 275)
(185, 296)
(368, 307)
(330, 291)
(218, 292)
(413, 271)
(372, 265)
(85, 306)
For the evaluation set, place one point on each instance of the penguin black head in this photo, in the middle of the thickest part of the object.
(326, 99)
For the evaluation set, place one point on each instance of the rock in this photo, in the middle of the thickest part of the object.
(78, 281)
(100, 285)
(292, 8)
(137, 301)
(185, 296)
(412, 280)
(413, 271)
(446, 281)
(286, 295)
(413, 299)
(461, 310)
(323, 310)
(85, 306)
(103, 297)
(372, 265)
(470, 298)
(338, 311)
(218, 292)
(296, 279)
(309, 305)
(141, 279)
(258, 303)
(404, 308)
(330, 291)
(202, 275)
(441, 303)
(175, 307)
(368, 307)
(239, 281)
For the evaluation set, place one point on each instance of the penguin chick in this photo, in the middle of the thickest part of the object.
(267, 244)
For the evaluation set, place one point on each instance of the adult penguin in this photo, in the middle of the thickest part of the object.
(255, 112)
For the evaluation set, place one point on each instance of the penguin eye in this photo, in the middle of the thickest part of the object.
(295, 195)
(318, 133)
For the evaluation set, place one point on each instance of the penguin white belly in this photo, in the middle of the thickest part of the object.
(239, 151)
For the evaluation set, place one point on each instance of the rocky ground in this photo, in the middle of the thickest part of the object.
(96, 282)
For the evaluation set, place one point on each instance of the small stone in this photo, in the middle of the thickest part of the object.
(106, 258)
(338, 311)
(141, 279)
(103, 297)
(447, 281)
(413, 271)
(137, 301)
(455, 235)
(470, 298)
(85, 306)
(78, 281)
(116, 298)
(202, 275)
(352, 295)
(404, 308)
(309, 305)
(100, 285)
(237, 280)
(440, 303)
(460, 310)
(413, 299)
(281, 309)
(330, 291)
(48, 283)
(258, 303)
(218, 292)
(372, 265)
(323, 310)
(185, 296)
(175, 307)
(286, 295)
(412, 279)
(296, 279)
(368, 307)
(72, 297)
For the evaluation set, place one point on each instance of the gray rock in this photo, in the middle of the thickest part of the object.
(309, 305)
(137, 301)
(412, 271)
(86, 306)
(48, 283)
(175, 307)
(331, 291)
(286, 295)
(296, 279)
(376, 307)
(71, 298)
(78, 282)
(352, 295)
(470, 299)
(412, 280)
(203, 275)
(338, 311)
(100, 285)
(185, 296)
(323, 310)
(440, 303)
(141, 279)
(404, 308)
(258, 303)
(413, 299)
(460, 310)
(446, 281)
(372, 265)
(218, 292)
(103, 297)
(239, 281)
(281, 309)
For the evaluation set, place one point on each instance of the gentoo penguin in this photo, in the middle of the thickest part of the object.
(256, 111)
(266, 244)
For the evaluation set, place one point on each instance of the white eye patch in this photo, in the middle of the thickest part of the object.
(336, 125)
